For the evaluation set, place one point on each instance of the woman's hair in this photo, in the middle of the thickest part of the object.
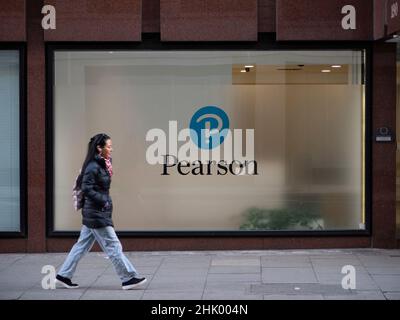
(97, 140)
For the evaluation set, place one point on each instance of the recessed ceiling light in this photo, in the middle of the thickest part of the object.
(336, 66)
(326, 71)
(249, 66)
(243, 71)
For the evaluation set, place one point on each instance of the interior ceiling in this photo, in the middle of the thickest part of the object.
(290, 74)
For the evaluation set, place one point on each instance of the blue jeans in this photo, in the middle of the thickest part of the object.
(109, 243)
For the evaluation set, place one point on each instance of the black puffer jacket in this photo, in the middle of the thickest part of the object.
(97, 208)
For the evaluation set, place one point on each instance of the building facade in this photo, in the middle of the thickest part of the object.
(261, 124)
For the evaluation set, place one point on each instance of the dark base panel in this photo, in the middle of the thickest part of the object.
(182, 244)
(13, 245)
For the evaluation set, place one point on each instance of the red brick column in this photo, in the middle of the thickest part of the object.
(384, 154)
(36, 129)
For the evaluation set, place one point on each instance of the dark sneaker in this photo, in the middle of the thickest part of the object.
(133, 283)
(67, 283)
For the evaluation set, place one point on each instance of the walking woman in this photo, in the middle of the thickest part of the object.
(97, 226)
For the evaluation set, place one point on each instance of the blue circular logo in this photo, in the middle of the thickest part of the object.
(209, 127)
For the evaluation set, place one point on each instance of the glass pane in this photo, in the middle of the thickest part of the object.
(9, 141)
(306, 109)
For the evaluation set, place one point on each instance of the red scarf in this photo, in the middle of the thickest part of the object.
(109, 166)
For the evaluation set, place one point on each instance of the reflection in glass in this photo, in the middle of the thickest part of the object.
(9, 141)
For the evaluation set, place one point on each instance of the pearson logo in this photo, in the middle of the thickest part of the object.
(207, 147)
(209, 127)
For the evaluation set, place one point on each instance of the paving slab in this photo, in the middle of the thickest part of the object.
(286, 262)
(383, 270)
(230, 296)
(293, 297)
(363, 281)
(387, 282)
(112, 293)
(235, 269)
(182, 295)
(234, 277)
(288, 275)
(301, 289)
(236, 262)
(359, 295)
(392, 295)
(57, 294)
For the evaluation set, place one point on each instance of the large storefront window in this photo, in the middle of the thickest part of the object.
(302, 168)
(9, 141)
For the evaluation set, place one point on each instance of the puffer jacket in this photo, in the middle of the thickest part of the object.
(97, 207)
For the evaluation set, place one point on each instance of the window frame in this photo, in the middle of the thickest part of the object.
(265, 42)
(21, 48)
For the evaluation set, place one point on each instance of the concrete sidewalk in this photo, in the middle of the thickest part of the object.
(210, 275)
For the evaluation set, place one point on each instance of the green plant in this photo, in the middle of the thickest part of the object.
(281, 219)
